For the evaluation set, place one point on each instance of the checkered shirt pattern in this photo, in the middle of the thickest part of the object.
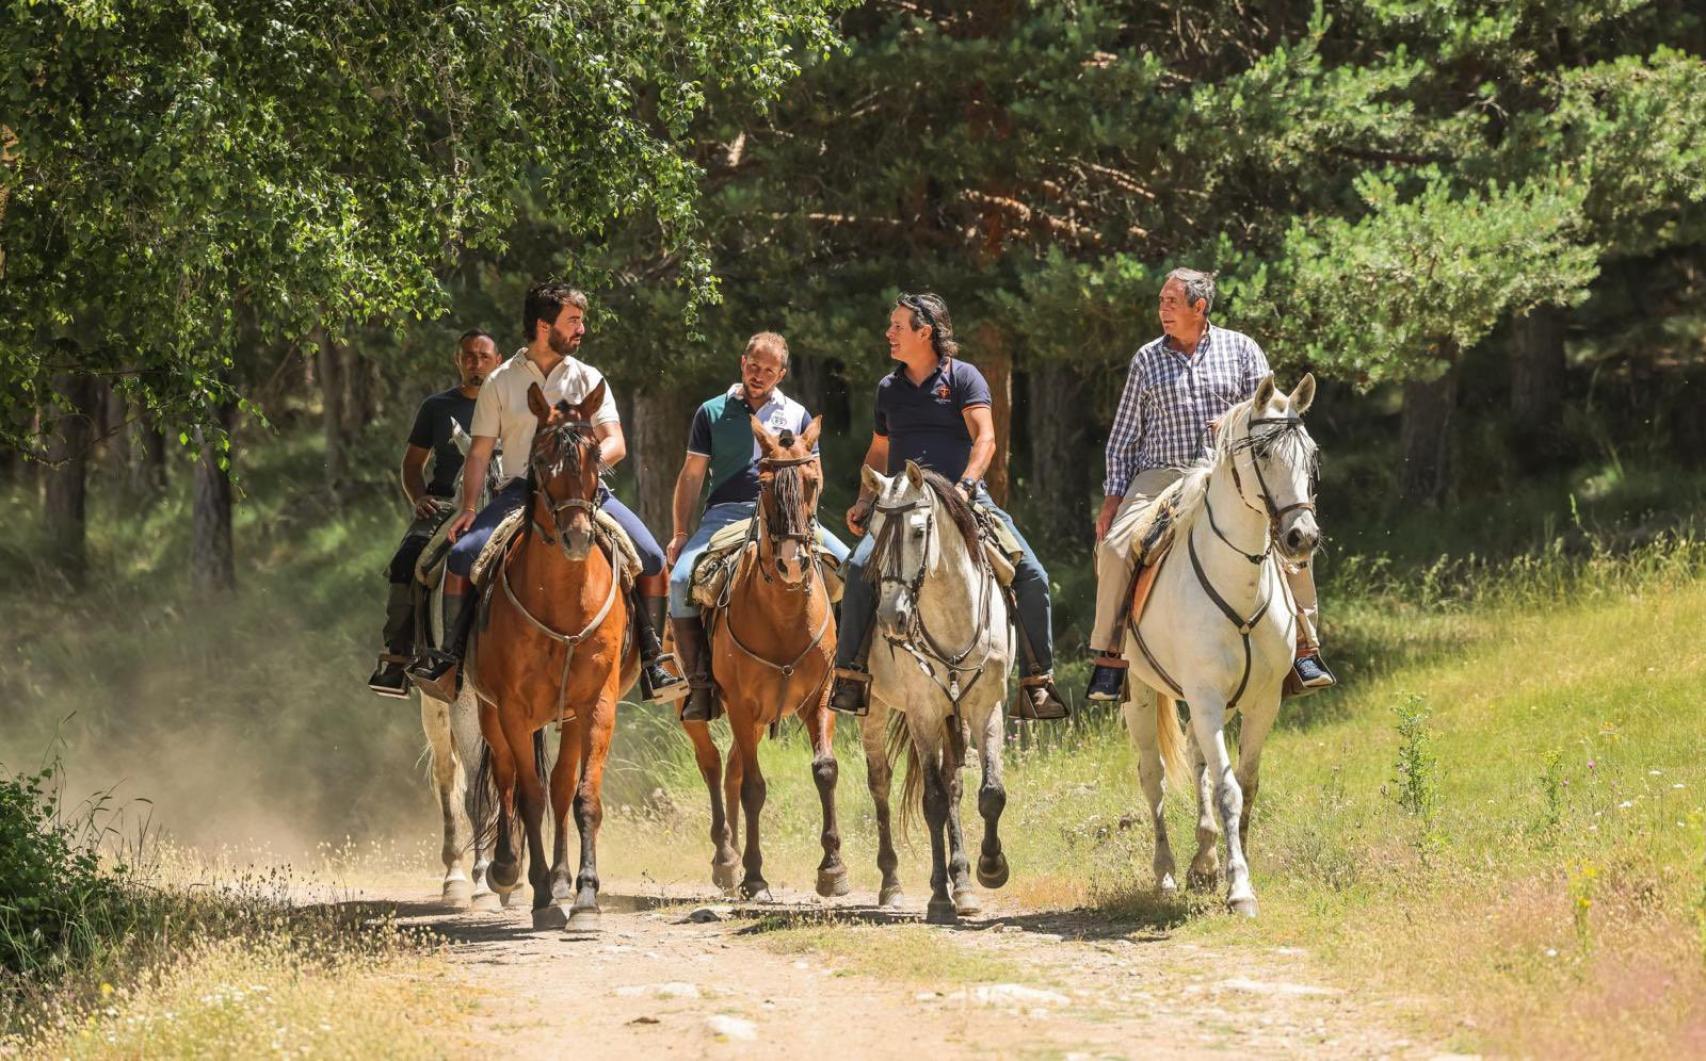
(1169, 400)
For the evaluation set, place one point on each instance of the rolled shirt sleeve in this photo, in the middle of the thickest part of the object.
(488, 414)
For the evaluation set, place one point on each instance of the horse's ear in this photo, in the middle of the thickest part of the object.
(766, 441)
(537, 403)
(875, 482)
(808, 437)
(915, 475)
(587, 407)
(1264, 394)
(1304, 396)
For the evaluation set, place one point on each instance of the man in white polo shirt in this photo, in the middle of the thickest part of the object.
(554, 321)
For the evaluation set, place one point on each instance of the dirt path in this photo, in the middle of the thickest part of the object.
(668, 977)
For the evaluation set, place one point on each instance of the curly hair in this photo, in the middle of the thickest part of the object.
(929, 311)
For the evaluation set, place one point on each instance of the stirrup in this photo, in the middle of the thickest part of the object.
(437, 674)
(1026, 708)
(854, 685)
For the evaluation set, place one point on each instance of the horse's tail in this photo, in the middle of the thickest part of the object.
(485, 814)
(1171, 738)
(900, 744)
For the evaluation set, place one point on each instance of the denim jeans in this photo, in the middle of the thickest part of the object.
(1030, 588)
(717, 517)
(511, 497)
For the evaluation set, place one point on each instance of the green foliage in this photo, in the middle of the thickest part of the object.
(1415, 776)
(55, 897)
(184, 180)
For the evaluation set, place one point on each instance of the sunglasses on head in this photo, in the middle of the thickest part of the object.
(916, 305)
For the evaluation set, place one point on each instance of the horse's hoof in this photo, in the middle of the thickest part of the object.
(486, 903)
(756, 891)
(1166, 886)
(833, 882)
(584, 919)
(1245, 907)
(504, 876)
(966, 902)
(891, 897)
(723, 876)
(459, 892)
(941, 912)
(1200, 881)
(549, 918)
(992, 872)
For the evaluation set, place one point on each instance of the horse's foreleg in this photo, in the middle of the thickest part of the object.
(820, 724)
(953, 779)
(1252, 734)
(596, 727)
(710, 762)
(879, 776)
(1205, 864)
(747, 734)
(505, 869)
(734, 772)
(447, 783)
(532, 799)
(1208, 721)
(940, 910)
(991, 801)
(1140, 723)
(563, 782)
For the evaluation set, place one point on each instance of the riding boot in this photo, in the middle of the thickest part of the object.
(656, 683)
(695, 652)
(1038, 701)
(438, 671)
(388, 678)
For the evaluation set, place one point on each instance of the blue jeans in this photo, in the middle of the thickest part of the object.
(1030, 588)
(514, 496)
(717, 517)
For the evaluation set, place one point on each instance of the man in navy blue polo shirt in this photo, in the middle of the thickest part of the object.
(934, 409)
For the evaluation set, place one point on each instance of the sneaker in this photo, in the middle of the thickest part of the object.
(1107, 684)
(389, 680)
(852, 692)
(1312, 673)
(658, 685)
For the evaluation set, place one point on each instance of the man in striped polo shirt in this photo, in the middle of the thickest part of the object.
(720, 447)
(1178, 388)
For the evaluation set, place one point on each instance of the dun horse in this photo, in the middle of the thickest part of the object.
(772, 652)
(554, 650)
(944, 665)
(1219, 627)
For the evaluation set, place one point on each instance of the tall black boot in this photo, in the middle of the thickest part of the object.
(438, 671)
(656, 683)
(388, 678)
(851, 693)
(695, 652)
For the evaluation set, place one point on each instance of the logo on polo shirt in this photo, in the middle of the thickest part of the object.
(942, 392)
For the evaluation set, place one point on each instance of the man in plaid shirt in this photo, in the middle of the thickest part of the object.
(1177, 389)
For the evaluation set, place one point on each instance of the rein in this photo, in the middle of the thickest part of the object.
(569, 641)
(573, 430)
(917, 631)
(1270, 535)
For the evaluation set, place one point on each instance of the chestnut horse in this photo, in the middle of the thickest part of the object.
(554, 650)
(772, 652)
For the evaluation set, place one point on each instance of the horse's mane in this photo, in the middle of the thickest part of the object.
(959, 509)
(1189, 493)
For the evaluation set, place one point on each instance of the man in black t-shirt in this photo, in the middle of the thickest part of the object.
(429, 501)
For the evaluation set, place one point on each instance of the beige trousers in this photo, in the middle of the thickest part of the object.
(1114, 566)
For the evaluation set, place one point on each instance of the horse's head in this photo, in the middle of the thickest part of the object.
(1271, 436)
(789, 480)
(564, 464)
(908, 545)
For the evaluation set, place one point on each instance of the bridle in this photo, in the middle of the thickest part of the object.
(917, 632)
(570, 433)
(807, 537)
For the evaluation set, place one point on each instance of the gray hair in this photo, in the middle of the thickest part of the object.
(1199, 287)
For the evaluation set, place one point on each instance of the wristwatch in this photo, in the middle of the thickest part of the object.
(969, 484)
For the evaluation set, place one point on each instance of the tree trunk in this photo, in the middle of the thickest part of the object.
(657, 443)
(1057, 432)
(361, 392)
(329, 366)
(119, 449)
(213, 567)
(69, 429)
(148, 471)
(1425, 439)
(995, 361)
(1537, 383)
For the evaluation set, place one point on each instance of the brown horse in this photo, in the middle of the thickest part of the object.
(772, 653)
(554, 651)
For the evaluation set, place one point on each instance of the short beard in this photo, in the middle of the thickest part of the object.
(561, 344)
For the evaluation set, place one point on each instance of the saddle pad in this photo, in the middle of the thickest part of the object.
(429, 566)
(608, 532)
(712, 571)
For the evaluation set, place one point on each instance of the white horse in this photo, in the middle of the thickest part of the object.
(1220, 627)
(454, 746)
(947, 650)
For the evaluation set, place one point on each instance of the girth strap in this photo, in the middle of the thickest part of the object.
(569, 641)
